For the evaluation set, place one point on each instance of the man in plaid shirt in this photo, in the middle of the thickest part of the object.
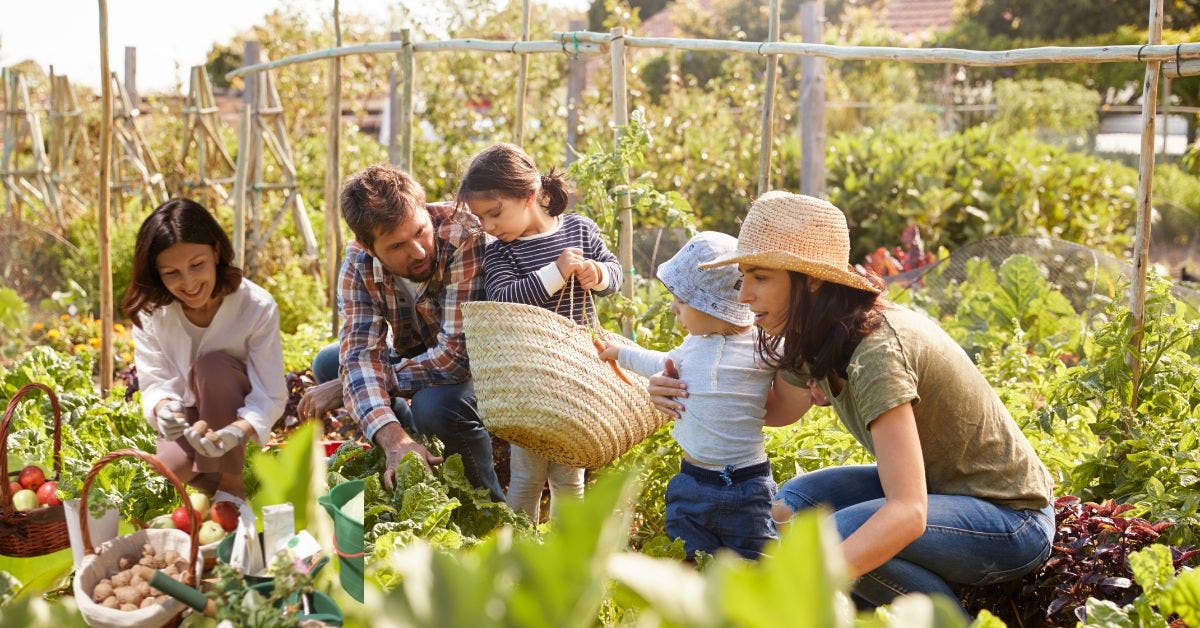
(407, 271)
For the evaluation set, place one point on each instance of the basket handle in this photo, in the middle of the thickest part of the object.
(157, 465)
(6, 494)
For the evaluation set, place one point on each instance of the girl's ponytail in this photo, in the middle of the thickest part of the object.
(556, 191)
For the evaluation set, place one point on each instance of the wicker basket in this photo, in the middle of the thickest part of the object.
(98, 561)
(540, 385)
(41, 530)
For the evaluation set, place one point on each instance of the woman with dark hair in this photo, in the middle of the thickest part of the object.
(207, 348)
(957, 494)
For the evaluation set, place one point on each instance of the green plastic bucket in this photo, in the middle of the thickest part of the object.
(321, 608)
(347, 536)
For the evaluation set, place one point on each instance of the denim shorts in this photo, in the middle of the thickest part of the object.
(711, 509)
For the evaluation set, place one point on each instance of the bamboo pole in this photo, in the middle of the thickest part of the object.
(408, 68)
(1182, 69)
(522, 80)
(767, 136)
(10, 134)
(131, 77)
(332, 176)
(245, 154)
(1141, 239)
(393, 144)
(102, 211)
(576, 75)
(449, 45)
(1166, 111)
(812, 104)
(620, 126)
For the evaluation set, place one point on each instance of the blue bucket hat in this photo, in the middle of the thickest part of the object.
(713, 291)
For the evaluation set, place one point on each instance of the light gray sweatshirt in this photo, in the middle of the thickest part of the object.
(727, 393)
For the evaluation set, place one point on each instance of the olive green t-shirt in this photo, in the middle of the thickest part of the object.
(969, 441)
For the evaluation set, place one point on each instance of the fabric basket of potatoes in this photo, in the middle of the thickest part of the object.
(112, 584)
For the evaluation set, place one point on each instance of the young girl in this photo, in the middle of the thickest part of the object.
(536, 253)
(721, 496)
(206, 347)
(957, 494)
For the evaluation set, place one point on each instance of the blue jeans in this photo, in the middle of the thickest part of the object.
(967, 540)
(448, 412)
(708, 513)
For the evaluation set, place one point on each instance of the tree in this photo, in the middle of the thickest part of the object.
(1069, 19)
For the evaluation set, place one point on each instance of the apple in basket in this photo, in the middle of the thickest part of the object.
(14, 486)
(210, 532)
(31, 477)
(225, 514)
(24, 500)
(200, 504)
(182, 518)
(163, 522)
(47, 494)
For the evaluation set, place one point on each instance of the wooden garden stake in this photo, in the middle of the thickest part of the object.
(106, 287)
(393, 146)
(1141, 238)
(812, 104)
(332, 245)
(408, 68)
(522, 80)
(767, 140)
(621, 125)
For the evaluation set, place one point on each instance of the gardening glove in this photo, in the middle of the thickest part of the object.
(216, 443)
(170, 419)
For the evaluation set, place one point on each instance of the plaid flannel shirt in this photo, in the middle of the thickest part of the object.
(371, 300)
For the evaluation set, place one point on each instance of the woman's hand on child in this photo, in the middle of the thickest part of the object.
(666, 388)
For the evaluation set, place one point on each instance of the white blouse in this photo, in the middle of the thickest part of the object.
(246, 327)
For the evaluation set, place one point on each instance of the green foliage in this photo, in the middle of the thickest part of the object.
(285, 473)
(1072, 18)
(1164, 594)
(301, 346)
(83, 268)
(1148, 454)
(977, 184)
(299, 294)
(1050, 107)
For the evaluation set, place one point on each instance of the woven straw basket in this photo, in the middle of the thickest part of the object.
(100, 562)
(41, 530)
(541, 385)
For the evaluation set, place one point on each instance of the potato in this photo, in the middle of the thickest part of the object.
(171, 556)
(111, 602)
(200, 426)
(129, 607)
(148, 602)
(125, 562)
(143, 572)
(136, 580)
(147, 550)
(121, 579)
(102, 591)
(128, 595)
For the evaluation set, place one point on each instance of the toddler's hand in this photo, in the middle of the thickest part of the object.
(610, 351)
(569, 262)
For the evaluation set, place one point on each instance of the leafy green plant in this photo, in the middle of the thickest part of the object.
(1148, 452)
(1052, 108)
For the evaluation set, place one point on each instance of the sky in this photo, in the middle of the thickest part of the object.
(170, 35)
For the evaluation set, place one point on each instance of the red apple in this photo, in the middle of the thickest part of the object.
(31, 477)
(13, 487)
(226, 514)
(47, 494)
(25, 499)
(182, 518)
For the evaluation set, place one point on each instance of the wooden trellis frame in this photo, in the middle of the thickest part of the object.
(69, 144)
(201, 131)
(24, 184)
(263, 134)
(140, 171)
(1182, 59)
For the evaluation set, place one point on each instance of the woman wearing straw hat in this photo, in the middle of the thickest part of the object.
(957, 494)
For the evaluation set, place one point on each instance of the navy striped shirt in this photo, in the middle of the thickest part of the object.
(517, 271)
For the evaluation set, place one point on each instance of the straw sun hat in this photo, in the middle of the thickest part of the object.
(793, 232)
